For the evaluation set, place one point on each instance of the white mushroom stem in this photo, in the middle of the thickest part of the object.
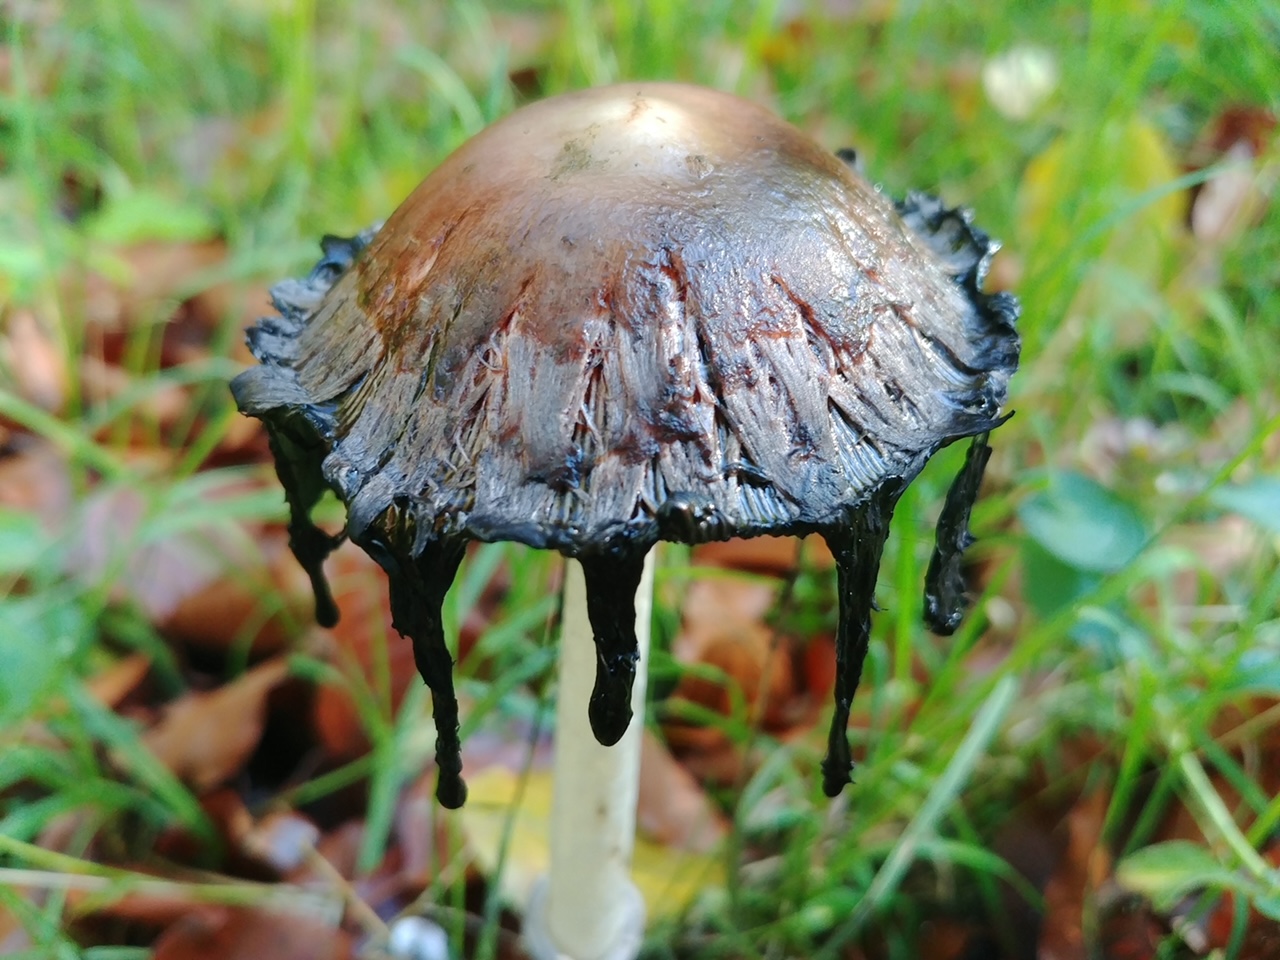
(587, 907)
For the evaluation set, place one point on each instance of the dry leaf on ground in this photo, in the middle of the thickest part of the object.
(205, 738)
(111, 686)
(365, 647)
(778, 556)
(115, 539)
(1082, 869)
(226, 934)
(148, 280)
(261, 604)
(737, 661)
(1236, 197)
(36, 363)
(673, 809)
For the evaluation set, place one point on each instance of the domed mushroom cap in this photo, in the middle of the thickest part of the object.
(643, 312)
(628, 314)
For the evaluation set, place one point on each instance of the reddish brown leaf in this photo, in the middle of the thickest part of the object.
(362, 643)
(712, 759)
(13, 935)
(334, 863)
(1229, 201)
(112, 685)
(148, 280)
(1251, 125)
(340, 848)
(1083, 867)
(205, 738)
(252, 935)
(724, 630)
(30, 356)
(752, 668)
(158, 574)
(718, 607)
(1127, 930)
(673, 808)
(158, 408)
(774, 555)
(946, 938)
(819, 667)
(153, 909)
(263, 602)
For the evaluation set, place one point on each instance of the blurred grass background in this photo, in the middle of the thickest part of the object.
(1128, 566)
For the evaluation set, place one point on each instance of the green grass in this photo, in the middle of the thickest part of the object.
(269, 124)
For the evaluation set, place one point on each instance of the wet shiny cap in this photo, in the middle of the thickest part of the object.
(637, 313)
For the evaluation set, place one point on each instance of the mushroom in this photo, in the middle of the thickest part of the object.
(637, 313)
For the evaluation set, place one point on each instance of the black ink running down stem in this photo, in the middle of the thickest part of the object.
(418, 586)
(612, 582)
(944, 599)
(857, 547)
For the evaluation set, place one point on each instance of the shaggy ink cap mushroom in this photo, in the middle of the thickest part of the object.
(637, 313)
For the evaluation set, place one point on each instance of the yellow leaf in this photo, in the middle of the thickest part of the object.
(1108, 169)
(1107, 189)
(669, 879)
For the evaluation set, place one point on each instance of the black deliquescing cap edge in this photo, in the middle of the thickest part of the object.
(272, 393)
(300, 431)
(966, 252)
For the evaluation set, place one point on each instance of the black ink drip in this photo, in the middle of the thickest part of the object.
(857, 547)
(944, 587)
(418, 587)
(298, 467)
(612, 582)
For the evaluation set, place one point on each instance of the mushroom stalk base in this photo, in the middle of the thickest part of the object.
(587, 907)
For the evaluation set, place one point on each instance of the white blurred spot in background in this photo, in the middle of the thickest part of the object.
(1020, 80)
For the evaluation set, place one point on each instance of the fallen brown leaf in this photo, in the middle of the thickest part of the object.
(227, 934)
(1127, 929)
(1236, 197)
(160, 408)
(147, 282)
(262, 603)
(153, 909)
(340, 848)
(818, 664)
(739, 659)
(774, 555)
(112, 685)
(30, 356)
(718, 607)
(109, 541)
(13, 935)
(673, 809)
(946, 938)
(753, 669)
(205, 738)
(365, 647)
(426, 842)
(1082, 869)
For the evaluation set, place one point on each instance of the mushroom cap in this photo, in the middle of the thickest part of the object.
(640, 312)
(628, 314)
